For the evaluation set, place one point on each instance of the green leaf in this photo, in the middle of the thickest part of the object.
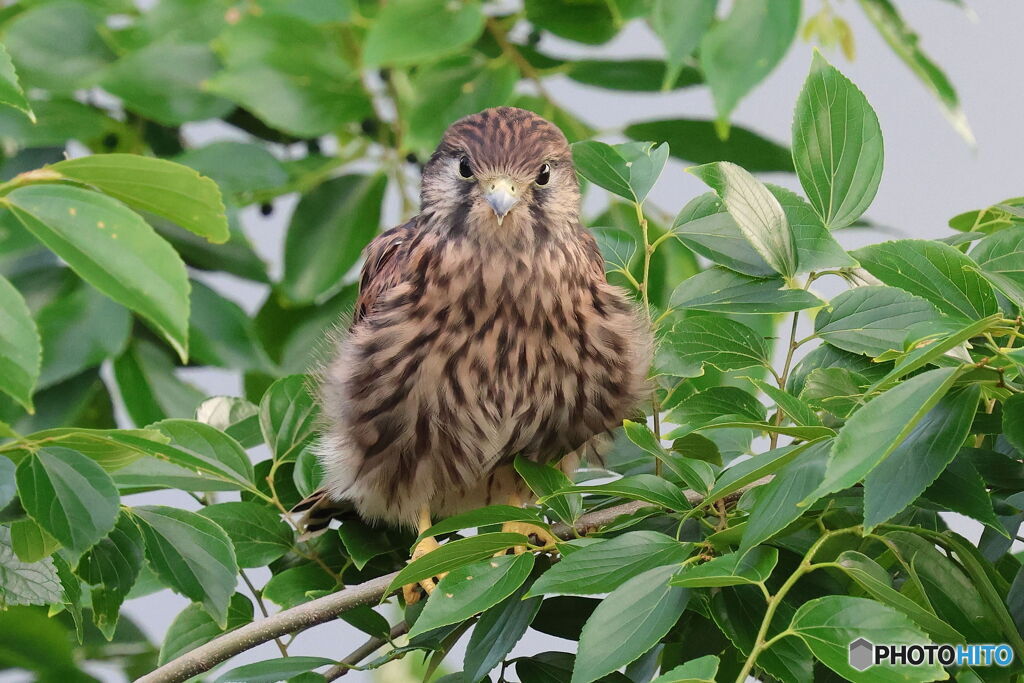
(114, 250)
(872, 320)
(236, 256)
(797, 410)
(627, 623)
(816, 248)
(875, 581)
(828, 625)
(680, 26)
(1001, 254)
(761, 465)
(722, 343)
(164, 81)
(544, 480)
(585, 21)
(362, 542)
(777, 502)
(25, 583)
(99, 445)
(150, 389)
(69, 495)
(938, 272)
(7, 485)
(697, 142)
(194, 627)
(837, 145)
(156, 186)
(222, 334)
(57, 46)
(11, 93)
(80, 329)
(492, 514)
(191, 555)
(646, 161)
(343, 212)
(368, 621)
(632, 75)
(734, 569)
(200, 447)
(112, 567)
(455, 554)
(756, 211)
(234, 416)
(448, 90)
(30, 542)
(298, 584)
(288, 416)
(711, 405)
(555, 667)
(604, 566)
(738, 52)
(496, 633)
(258, 534)
(1013, 421)
(645, 487)
(273, 670)
(877, 429)
(723, 291)
(418, 31)
(693, 473)
(927, 353)
(618, 247)
(918, 461)
(603, 165)
(700, 670)
(473, 588)
(294, 93)
(706, 227)
(960, 488)
(236, 167)
(20, 349)
(905, 43)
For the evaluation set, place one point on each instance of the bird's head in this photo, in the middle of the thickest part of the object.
(502, 169)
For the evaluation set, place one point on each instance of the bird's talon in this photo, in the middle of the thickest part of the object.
(542, 536)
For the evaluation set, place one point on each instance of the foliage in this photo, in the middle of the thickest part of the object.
(903, 401)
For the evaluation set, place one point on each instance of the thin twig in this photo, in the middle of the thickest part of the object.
(364, 651)
(327, 608)
(263, 608)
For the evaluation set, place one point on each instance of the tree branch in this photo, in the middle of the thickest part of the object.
(327, 608)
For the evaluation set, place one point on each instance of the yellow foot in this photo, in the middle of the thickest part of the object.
(535, 533)
(413, 592)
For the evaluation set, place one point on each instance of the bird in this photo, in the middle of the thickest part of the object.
(484, 329)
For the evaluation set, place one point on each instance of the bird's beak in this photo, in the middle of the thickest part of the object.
(501, 195)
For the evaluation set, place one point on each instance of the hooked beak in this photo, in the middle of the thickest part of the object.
(501, 195)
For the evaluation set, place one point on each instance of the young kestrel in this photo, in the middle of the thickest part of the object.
(484, 329)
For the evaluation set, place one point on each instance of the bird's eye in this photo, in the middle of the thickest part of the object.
(464, 170)
(545, 175)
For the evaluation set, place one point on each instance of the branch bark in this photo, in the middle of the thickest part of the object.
(327, 608)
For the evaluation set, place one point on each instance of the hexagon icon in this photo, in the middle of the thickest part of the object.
(861, 654)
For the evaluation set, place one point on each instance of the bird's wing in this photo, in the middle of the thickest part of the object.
(382, 268)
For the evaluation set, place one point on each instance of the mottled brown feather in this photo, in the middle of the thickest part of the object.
(474, 341)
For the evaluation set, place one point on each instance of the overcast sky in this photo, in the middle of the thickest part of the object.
(930, 175)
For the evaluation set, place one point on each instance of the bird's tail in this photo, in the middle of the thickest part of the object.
(317, 510)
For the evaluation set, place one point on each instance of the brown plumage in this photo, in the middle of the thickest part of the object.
(484, 328)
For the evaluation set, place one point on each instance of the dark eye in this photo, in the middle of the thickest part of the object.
(545, 175)
(464, 170)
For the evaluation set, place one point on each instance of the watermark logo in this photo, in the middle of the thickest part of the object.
(864, 654)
